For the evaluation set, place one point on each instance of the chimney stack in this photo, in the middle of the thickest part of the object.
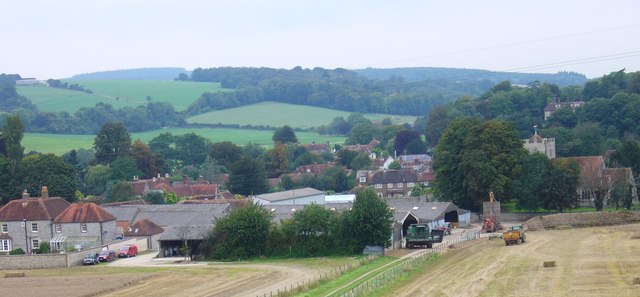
(185, 179)
(44, 193)
(201, 179)
(25, 198)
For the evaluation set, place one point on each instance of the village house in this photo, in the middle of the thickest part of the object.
(554, 106)
(82, 226)
(418, 163)
(27, 222)
(318, 148)
(594, 175)
(196, 189)
(393, 183)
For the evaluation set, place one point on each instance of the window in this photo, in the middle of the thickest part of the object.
(389, 186)
(400, 185)
(58, 228)
(410, 185)
(378, 186)
(5, 245)
(363, 179)
(83, 228)
(5, 228)
(34, 227)
(35, 244)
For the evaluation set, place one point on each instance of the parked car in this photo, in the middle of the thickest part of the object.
(127, 251)
(107, 256)
(91, 258)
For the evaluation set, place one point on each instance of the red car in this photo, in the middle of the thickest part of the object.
(127, 251)
(107, 256)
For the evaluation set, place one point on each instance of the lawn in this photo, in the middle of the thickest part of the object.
(61, 143)
(276, 114)
(118, 93)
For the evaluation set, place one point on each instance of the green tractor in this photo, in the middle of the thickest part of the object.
(421, 235)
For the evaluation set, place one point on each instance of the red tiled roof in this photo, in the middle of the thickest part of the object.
(144, 227)
(139, 185)
(36, 209)
(313, 168)
(84, 213)
(201, 190)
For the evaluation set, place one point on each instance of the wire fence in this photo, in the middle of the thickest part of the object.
(394, 272)
(380, 280)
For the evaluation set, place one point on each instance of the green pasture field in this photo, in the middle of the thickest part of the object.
(118, 93)
(59, 144)
(276, 114)
(57, 100)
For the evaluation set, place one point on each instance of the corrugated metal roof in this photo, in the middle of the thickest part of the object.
(197, 232)
(285, 195)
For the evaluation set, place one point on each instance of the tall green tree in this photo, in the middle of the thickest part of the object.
(241, 234)
(124, 169)
(48, 170)
(112, 141)
(191, 149)
(491, 158)
(285, 134)
(247, 177)
(561, 185)
(402, 140)
(527, 187)
(628, 155)
(312, 227)
(368, 221)
(224, 153)
(450, 180)
(12, 133)
(97, 179)
(439, 118)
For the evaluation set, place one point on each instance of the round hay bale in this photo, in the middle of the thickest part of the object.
(549, 264)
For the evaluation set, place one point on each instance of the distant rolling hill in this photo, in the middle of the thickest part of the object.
(276, 114)
(159, 73)
(118, 93)
(462, 75)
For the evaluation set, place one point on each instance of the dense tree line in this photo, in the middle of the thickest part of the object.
(476, 157)
(338, 89)
(487, 78)
(247, 232)
(56, 83)
(605, 121)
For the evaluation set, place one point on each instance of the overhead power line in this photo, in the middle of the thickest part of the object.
(512, 44)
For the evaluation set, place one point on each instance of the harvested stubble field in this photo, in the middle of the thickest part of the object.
(203, 279)
(595, 261)
(591, 261)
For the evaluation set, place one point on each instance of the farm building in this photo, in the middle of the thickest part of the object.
(418, 211)
(293, 197)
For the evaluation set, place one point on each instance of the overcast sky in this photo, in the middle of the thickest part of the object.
(57, 39)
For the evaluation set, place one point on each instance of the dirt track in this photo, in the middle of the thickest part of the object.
(599, 261)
